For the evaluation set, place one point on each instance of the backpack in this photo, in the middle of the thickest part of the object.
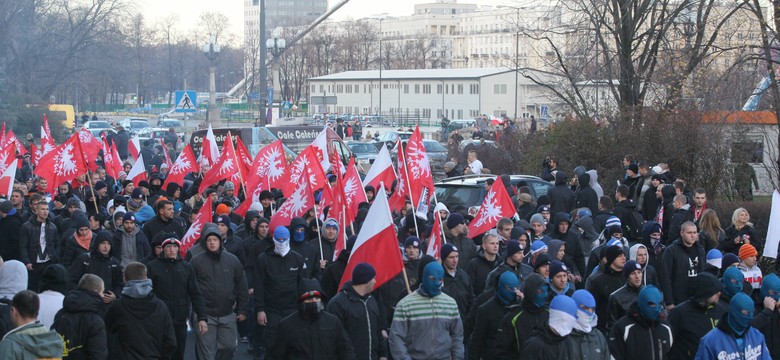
(632, 228)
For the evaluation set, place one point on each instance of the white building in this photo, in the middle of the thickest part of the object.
(427, 94)
(280, 13)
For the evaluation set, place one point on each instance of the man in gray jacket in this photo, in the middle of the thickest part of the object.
(222, 282)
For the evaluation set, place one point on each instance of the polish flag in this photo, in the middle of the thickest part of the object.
(320, 144)
(244, 156)
(381, 171)
(497, 205)
(111, 160)
(354, 193)
(418, 166)
(167, 156)
(138, 171)
(299, 202)
(47, 142)
(376, 244)
(224, 168)
(134, 147)
(7, 180)
(193, 233)
(210, 149)
(399, 197)
(435, 241)
(184, 164)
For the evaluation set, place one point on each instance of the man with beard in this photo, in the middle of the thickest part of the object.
(165, 221)
(327, 247)
(130, 244)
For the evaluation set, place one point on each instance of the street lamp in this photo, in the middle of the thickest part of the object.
(211, 50)
(276, 47)
(381, 60)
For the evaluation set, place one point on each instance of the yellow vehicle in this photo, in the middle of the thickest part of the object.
(62, 113)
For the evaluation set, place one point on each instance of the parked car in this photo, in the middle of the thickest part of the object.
(437, 156)
(477, 144)
(152, 134)
(97, 124)
(469, 190)
(134, 124)
(172, 123)
(389, 138)
(363, 150)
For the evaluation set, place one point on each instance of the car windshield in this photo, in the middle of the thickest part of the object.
(454, 196)
(99, 125)
(135, 125)
(405, 136)
(170, 123)
(434, 146)
(363, 148)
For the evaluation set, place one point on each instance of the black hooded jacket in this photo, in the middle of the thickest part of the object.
(636, 337)
(601, 285)
(561, 196)
(309, 249)
(245, 231)
(488, 319)
(81, 326)
(518, 325)
(143, 327)
(690, 321)
(175, 284)
(545, 345)
(680, 264)
(478, 269)
(361, 317)
(221, 279)
(104, 266)
(586, 195)
(276, 281)
(331, 277)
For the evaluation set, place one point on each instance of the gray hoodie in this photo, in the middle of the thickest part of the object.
(13, 278)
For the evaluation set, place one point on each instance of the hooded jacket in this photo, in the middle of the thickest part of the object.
(478, 269)
(649, 274)
(361, 317)
(574, 256)
(308, 248)
(276, 281)
(332, 275)
(561, 196)
(586, 195)
(104, 266)
(142, 247)
(31, 341)
(29, 244)
(680, 265)
(588, 234)
(81, 325)
(220, 277)
(545, 345)
(690, 321)
(175, 284)
(488, 319)
(602, 284)
(594, 182)
(142, 324)
(72, 249)
(245, 231)
(522, 271)
(636, 337)
(721, 343)
(587, 346)
(518, 324)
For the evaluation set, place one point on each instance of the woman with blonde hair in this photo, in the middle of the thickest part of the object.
(741, 232)
(711, 234)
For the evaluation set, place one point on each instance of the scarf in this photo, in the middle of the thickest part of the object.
(83, 241)
(697, 212)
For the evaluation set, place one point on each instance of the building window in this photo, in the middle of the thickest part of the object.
(438, 88)
(460, 89)
(322, 88)
(416, 88)
(406, 88)
(460, 114)
(474, 89)
(426, 113)
(438, 113)
(426, 88)
(499, 88)
(313, 88)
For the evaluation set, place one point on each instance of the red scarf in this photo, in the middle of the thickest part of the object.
(697, 213)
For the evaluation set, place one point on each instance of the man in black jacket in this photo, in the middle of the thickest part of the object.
(586, 195)
(174, 283)
(621, 300)
(80, 323)
(519, 324)
(486, 260)
(278, 273)
(34, 253)
(10, 225)
(359, 313)
(561, 196)
(696, 316)
(489, 315)
(221, 280)
(165, 221)
(682, 261)
(140, 320)
(513, 262)
(642, 334)
(121, 140)
(100, 262)
(311, 333)
(608, 279)
(457, 283)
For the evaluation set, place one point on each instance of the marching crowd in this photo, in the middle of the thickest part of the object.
(97, 269)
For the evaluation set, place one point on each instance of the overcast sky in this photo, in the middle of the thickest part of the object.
(188, 10)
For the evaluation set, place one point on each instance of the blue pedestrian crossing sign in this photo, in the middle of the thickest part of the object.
(186, 101)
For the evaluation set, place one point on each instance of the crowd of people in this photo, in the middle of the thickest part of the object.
(98, 270)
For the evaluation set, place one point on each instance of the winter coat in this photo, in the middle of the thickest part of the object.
(104, 266)
(81, 325)
(768, 323)
(459, 287)
(72, 249)
(143, 328)
(10, 229)
(620, 302)
(311, 252)
(221, 281)
(488, 320)
(362, 320)
(235, 246)
(561, 196)
(299, 338)
(426, 328)
(478, 269)
(175, 284)
(649, 204)
(32, 341)
(545, 345)
(601, 285)
(519, 324)
(142, 243)
(679, 216)
(331, 277)
(522, 271)
(587, 346)
(690, 322)
(121, 140)
(747, 233)
(721, 343)
(276, 281)
(636, 337)
(29, 244)
(586, 195)
(467, 250)
(680, 264)
(157, 225)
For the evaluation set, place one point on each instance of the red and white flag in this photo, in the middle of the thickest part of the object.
(398, 199)
(267, 168)
(210, 150)
(435, 241)
(7, 156)
(244, 156)
(497, 205)
(134, 147)
(306, 165)
(193, 233)
(299, 202)
(320, 144)
(376, 244)
(354, 193)
(10, 138)
(47, 141)
(138, 171)
(418, 166)
(167, 156)
(62, 164)
(224, 168)
(35, 154)
(381, 171)
(111, 160)
(185, 163)
(7, 180)
(90, 147)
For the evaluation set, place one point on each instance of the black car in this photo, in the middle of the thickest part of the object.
(469, 190)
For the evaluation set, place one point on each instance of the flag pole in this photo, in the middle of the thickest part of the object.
(240, 172)
(89, 178)
(441, 225)
(319, 231)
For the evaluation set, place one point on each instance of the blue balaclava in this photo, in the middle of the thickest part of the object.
(770, 286)
(507, 284)
(299, 233)
(650, 302)
(540, 298)
(740, 313)
(432, 279)
(732, 279)
(281, 240)
(586, 319)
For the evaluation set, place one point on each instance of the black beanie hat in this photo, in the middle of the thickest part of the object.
(612, 253)
(55, 278)
(362, 274)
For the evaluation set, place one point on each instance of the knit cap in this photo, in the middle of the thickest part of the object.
(746, 251)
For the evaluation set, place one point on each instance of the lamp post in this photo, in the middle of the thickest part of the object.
(211, 50)
(381, 60)
(275, 46)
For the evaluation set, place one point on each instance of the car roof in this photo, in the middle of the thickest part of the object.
(478, 179)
